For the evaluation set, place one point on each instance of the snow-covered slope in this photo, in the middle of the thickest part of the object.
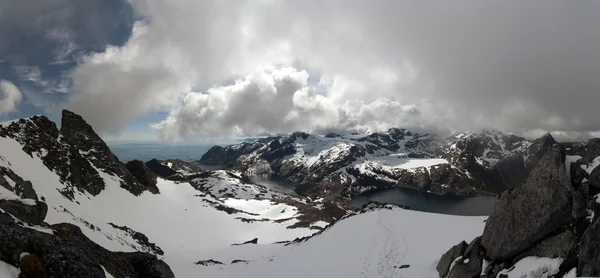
(388, 242)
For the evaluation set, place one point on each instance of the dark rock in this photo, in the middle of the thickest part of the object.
(25, 190)
(208, 262)
(553, 247)
(143, 175)
(158, 168)
(252, 241)
(594, 177)
(238, 261)
(140, 238)
(32, 214)
(471, 262)
(79, 134)
(517, 222)
(593, 148)
(444, 264)
(31, 266)
(4, 183)
(404, 266)
(538, 149)
(589, 251)
(69, 253)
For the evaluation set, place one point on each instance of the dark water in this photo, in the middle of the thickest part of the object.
(276, 183)
(146, 151)
(422, 201)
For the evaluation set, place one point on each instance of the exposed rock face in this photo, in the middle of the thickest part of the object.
(470, 264)
(446, 261)
(68, 253)
(25, 190)
(517, 222)
(32, 212)
(141, 239)
(547, 216)
(143, 175)
(79, 134)
(74, 153)
(589, 251)
(158, 168)
(484, 163)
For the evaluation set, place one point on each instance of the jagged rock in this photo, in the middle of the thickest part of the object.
(558, 246)
(239, 261)
(29, 211)
(594, 177)
(589, 251)
(78, 133)
(252, 241)
(25, 190)
(158, 168)
(470, 264)
(527, 214)
(142, 239)
(446, 261)
(69, 253)
(143, 175)
(538, 149)
(207, 262)
(4, 183)
(593, 148)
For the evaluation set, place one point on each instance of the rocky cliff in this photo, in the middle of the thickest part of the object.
(553, 214)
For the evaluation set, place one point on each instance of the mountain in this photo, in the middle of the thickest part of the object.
(344, 165)
(70, 208)
(548, 225)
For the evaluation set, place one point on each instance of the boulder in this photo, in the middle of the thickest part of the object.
(29, 211)
(25, 190)
(558, 246)
(471, 262)
(444, 264)
(589, 251)
(143, 175)
(527, 214)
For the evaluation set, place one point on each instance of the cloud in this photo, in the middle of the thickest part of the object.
(368, 65)
(10, 96)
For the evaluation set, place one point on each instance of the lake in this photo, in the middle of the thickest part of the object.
(423, 201)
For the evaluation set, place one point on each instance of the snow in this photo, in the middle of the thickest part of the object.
(400, 161)
(180, 220)
(590, 168)
(106, 274)
(169, 164)
(364, 245)
(571, 274)
(8, 271)
(533, 267)
(223, 183)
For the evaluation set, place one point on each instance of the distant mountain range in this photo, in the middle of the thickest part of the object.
(340, 166)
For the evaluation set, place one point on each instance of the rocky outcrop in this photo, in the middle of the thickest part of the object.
(69, 253)
(143, 175)
(74, 153)
(141, 239)
(547, 216)
(512, 228)
(158, 168)
(79, 134)
(449, 257)
(29, 211)
(469, 264)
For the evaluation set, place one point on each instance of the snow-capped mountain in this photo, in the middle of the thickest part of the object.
(70, 206)
(346, 165)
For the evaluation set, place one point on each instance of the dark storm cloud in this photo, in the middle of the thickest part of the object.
(521, 66)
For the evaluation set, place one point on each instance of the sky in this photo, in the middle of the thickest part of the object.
(206, 70)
